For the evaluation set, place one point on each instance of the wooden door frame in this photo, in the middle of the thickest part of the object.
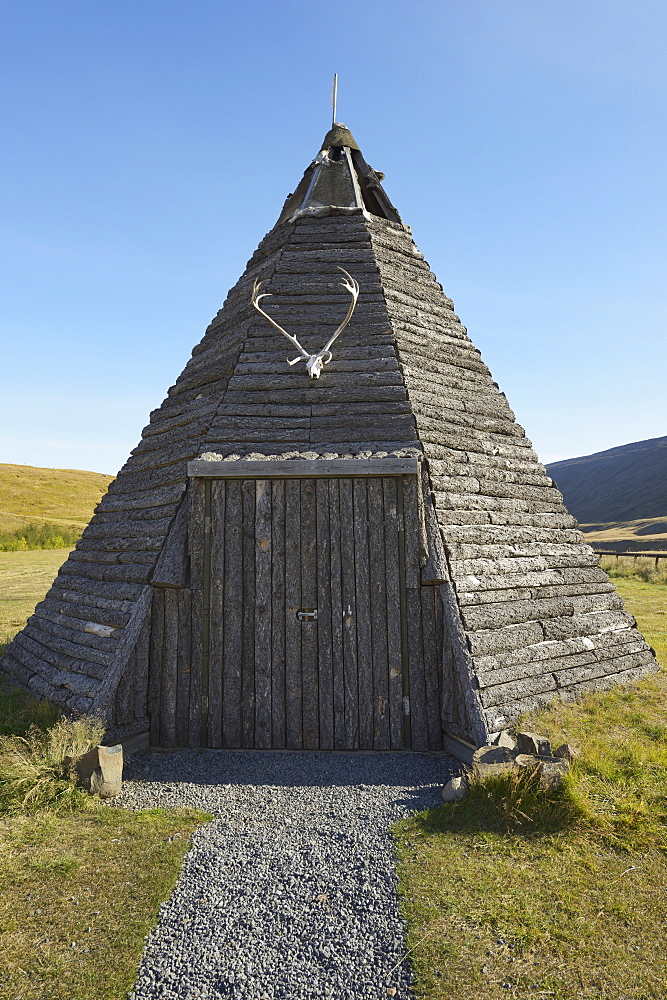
(303, 469)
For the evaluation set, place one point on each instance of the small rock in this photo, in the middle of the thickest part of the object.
(391, 991)
(533, 743)
(456, 788)
(493, 760)
(528, 760)
(552, 773)
(504, 739)
(100, 771)
(567, 752)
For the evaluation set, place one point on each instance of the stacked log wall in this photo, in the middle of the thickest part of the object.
(62, 653)
(541, 619)
(528, 613)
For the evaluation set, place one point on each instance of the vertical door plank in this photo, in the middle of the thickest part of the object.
(342, 690)
(169, 668)
(183, 678)
(376, 549)
(293, 693)
(310, 679)
(263, 610)
(124, 699)
(418, 722)
(141, 677)
(195, 714)
(217, 620)
(354, 542)
(413, 546)
(324, 658)
(278, 614)
(155, 669)
(448, 711)
(196, 488)
(195, 500)
(413, 560)
(394, 658)
(432, 641)
(248, 647)
(233, 616)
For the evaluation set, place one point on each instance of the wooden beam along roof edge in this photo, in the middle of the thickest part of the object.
(304, 469)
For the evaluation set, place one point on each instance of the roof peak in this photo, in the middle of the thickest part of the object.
(339, 135)
(339, 181)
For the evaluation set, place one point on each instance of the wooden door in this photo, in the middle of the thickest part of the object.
(309, 634)
(304, 624)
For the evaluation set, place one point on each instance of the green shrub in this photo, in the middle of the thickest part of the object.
(43, 535)
(33, 768)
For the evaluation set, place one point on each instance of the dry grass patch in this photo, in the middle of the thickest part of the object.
(35, 768)
(647, 534)
(518, 892)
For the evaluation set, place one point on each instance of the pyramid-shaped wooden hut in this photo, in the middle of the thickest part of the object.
(347, 545)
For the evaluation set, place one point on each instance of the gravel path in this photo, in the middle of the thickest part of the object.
(291, 891)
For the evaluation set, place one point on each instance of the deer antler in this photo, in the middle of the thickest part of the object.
(257, 298)
(352, 287)
(314, 362)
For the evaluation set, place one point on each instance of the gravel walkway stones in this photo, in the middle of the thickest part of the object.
(291, 891)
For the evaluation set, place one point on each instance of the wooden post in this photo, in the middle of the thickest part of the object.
(206, 614)
(405, 655)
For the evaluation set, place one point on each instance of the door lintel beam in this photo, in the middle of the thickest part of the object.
(341, 468)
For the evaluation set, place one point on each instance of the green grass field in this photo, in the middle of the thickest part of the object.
(78, 893)
(512, 893)
(25, 578)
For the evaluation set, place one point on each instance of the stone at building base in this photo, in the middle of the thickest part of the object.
(528, 761)
(494, 760)
(552, 773)
(100, 771)
(456, 788)
(505, 739)
(567, 752)
(489, 761)
(533, 743)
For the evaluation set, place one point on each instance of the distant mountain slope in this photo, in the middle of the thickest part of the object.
(622, 484)
(63, 496)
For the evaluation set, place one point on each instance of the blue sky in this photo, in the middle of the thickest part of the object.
(148, 146)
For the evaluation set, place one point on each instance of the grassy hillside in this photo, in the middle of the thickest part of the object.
(642, 535)
(60, 496)
(621, 484)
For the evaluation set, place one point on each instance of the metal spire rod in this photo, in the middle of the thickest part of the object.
(334, 99)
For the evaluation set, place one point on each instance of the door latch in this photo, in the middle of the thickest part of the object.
(307, 615)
